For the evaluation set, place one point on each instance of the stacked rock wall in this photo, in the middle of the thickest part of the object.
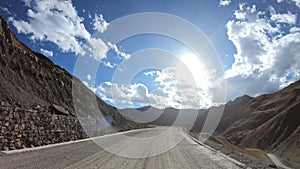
(36, 126)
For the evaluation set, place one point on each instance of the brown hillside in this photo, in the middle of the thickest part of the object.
(269, 122)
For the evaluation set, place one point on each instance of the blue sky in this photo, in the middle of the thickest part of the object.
(256, 44)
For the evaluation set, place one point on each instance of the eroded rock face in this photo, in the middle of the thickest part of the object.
(37, 106)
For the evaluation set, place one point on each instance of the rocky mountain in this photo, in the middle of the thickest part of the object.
(270, 122)
(37, 105)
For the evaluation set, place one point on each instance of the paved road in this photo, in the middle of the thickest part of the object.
(86, 154)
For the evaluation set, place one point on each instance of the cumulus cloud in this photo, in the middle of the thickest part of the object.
(95, 48)
(169, 91)
(137, 93)
(288, 18)
(54, 21)
(58, 22)
(113, 92)
(266, 53)
(245, 11)
(224, 2)
(182, 93)
(116, 93)
(169, 86)
(294, 29)
(46, 52)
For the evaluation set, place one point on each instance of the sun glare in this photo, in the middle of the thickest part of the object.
(197, 69)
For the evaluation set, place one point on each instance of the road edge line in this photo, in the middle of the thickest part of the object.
(68, 142)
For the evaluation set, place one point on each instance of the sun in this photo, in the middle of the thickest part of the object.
(197, 69)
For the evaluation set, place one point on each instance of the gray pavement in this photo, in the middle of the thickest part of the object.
(86, 154)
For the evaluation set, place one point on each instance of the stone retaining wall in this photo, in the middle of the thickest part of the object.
(21, 128)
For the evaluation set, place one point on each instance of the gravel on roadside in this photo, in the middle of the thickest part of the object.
(249, 161)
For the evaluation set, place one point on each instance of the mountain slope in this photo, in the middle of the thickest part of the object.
(270, 122)
(30, 82)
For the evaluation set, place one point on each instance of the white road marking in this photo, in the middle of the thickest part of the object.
(69, 142)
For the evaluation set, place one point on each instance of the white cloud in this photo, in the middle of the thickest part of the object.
(138, 93)
(85, 83)
(169, 86)
(134, 93)
(167, 94)
(266, 54)
(119, 53)
(110, 65)
(284, 18)
(89, 77)
(111, 91)
(183, 93)
(245, 11)
(91, 87)
(95, 48)
(240, 15)
(46, 52)
(99, 23)
(54, 21)
(171, 90)
(224, 2)
(297, 2)
(58, 22)
(185, 85)
(294, 29)
(150, 73)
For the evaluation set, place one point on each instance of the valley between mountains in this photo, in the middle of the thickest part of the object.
(37, 109)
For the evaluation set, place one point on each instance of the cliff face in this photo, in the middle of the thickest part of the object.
(270, 122)
(37, 105)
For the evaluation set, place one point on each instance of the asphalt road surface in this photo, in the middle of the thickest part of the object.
(87, 154)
